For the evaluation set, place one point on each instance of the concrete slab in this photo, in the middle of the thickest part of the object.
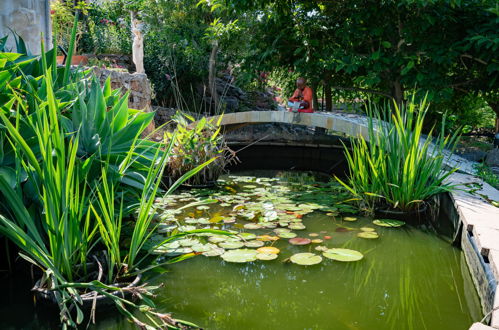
(487, 239)
(480, 326)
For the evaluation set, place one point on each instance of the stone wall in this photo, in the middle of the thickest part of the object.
(28, 19)
(136, 83)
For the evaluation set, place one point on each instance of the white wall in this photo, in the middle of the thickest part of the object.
(28, 18)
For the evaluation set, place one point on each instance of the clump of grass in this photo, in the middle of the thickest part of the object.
(484, 172)
(398, 167)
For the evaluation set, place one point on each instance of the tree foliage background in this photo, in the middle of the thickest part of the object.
(446, 49)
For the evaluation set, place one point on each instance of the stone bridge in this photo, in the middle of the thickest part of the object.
(352, 125)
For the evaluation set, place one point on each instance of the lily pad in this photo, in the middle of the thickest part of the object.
(388, 223)
(343, 255)
(297, 226)
(313, 235)
(203, 207)
(351, 219)
(231, 244)
(317, 241)
(252, 226)
(306, 259)
(287, 235)
(247, 236)
(267, 238)
(321, 248)
(214, 252)
(299, 241)
(367, 229)
(240, 255)
(368, 234)
(266, 256)
(253, 244)
(268, 249)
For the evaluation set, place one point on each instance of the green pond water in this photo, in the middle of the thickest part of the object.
(408, 278)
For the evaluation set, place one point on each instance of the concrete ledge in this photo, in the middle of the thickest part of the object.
(346, 123)
(480, 239)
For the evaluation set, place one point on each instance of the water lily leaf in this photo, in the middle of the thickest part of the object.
(341, 230)
(214, 252)
(247, 236)
(297, 226)
(202, 247)
(349, 219)
(332, 214)
(229, 220)
(299, 241)
(313, 235)
(367, 229)
(267, 238)
(231, 244)
(368, 234)
(202, 207)
(327, 237)
(317, 241)
(218, 238)
(252, 226)
(281, 230)
(306, 259)
(253, 244)
(188, 241)
(343, 255)
(239, 255)
(388, 223)
(321, 248)
(178, 251)
(266, 256)
(268, 249)
(287, 235)
(216, 219)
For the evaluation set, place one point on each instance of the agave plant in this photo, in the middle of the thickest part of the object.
(398, 167)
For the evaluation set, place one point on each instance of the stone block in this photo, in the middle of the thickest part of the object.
(265, 116)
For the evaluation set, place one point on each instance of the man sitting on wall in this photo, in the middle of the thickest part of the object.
(301, 100)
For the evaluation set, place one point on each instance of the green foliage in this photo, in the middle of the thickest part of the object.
(73, 167)
(107, 29)
(194, 143)
(395, 168)
(483, 171)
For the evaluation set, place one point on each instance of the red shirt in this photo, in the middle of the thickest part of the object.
(304, 95)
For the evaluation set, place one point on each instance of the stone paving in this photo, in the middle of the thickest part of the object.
(479, 217)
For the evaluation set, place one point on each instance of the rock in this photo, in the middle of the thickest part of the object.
(231, 104)
(474, 155)
(492, 159)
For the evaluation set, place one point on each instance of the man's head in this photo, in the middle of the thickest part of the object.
(301, 83)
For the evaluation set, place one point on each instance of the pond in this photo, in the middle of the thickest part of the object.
(388, 278)
(408, 278)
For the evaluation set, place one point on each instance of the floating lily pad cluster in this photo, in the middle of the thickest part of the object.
(256, 212)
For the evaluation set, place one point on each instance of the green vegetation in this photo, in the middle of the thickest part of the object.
(396, 169)
(74, 170)
(483, 171)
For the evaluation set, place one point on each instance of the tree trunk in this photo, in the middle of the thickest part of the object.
(398, 92)
(212, 72)
(315, 99)
(328, 94)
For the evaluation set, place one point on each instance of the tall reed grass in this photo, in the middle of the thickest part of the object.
(398, 167)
